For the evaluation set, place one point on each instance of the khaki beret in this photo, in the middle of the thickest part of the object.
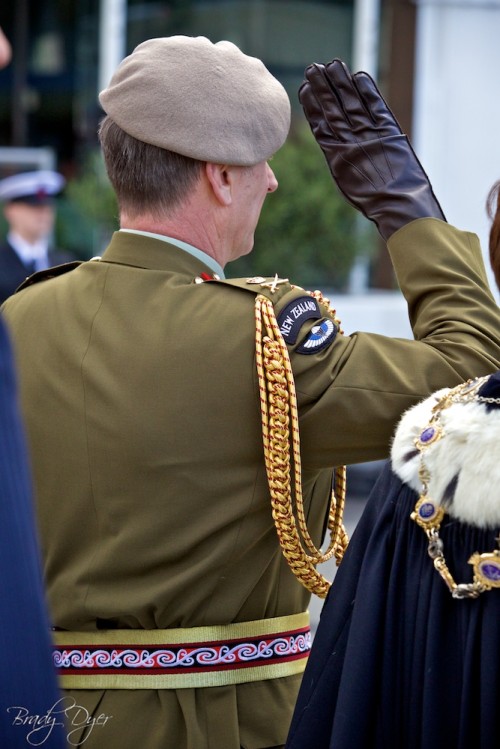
(207, 101)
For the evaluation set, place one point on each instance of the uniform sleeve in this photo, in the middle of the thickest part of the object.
(352, 391)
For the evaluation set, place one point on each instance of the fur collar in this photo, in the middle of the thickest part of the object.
(464, 464)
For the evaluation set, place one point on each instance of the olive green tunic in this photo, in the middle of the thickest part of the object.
(141, 399)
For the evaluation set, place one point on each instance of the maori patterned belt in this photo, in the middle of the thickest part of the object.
(177, 658)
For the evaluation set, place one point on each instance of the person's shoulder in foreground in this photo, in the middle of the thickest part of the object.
(28, 691)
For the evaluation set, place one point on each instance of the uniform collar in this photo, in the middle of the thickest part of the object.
(149, 253)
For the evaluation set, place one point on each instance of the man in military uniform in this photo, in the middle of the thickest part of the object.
(175, 416)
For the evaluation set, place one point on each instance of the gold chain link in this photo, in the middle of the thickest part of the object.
(280, 432)
(428, 514)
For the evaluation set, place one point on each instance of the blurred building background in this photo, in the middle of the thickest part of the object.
(436, 62)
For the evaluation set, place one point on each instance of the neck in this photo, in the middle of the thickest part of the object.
(207, 218)
(194, 231)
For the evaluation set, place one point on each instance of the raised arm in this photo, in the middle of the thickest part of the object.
(370, 159)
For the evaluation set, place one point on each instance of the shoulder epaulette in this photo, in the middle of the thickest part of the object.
(277, 323)
(44, 275)
(293, 306)
(272, 287)
(281, 439)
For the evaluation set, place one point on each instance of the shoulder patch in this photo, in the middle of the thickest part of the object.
(319, 337)
(44, 275)
(294, 315)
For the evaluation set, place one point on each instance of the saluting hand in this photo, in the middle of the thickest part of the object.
(370, 158)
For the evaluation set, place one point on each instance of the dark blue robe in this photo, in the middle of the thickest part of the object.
(27, 678)
(397, 663)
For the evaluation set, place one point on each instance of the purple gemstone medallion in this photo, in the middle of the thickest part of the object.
(427, 510)
(430, 434)
(491, 570)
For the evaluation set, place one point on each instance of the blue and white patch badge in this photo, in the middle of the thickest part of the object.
(320, 337)
(294, 315)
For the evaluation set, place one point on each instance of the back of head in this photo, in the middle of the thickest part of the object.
(178, 101)
(146, 179)
(493, 209)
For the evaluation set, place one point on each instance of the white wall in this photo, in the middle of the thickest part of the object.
(383, 312)
(457, 106)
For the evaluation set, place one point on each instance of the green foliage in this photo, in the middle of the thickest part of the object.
(87, 213)
(307, 231)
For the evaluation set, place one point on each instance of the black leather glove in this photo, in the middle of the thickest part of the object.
(371, 160)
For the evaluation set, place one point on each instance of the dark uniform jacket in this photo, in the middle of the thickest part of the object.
(13, 271)
(141, 399)
(28, 687)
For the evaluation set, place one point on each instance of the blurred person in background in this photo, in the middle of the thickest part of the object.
(166, 404)
(29, 207)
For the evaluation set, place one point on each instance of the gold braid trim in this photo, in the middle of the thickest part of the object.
(280, 433)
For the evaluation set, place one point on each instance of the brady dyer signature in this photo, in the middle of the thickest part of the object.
(65, 712)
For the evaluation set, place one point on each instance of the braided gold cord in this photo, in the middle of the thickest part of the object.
(336, 517)
(280, 427)
(318, 295)
(340, 539)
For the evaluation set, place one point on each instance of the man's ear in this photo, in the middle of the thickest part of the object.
(220, 179)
